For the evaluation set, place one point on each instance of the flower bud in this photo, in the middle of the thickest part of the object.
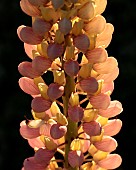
(49, 14)
(49, 143)
(42, 48)
(29, 9)
(61, 119)
(77, 28)
(92, 128)
(59, 37)
(54, 50)
(43, 90)
(26, 34)
(75, 145)
(89, 85)
(99, 155)
(75, 158)
(59, 77)
(65, 26)
(28, 86)
(85, 70)
(55, 91)
(82, 42)
(75, 113)
(90, 115)
(100, 6)
(87, 11)
(39, 104)
(54, 109)
(40, 26)
(74, 99)
(71, 68)
(57, 131)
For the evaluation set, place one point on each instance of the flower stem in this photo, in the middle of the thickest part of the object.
(72, 127)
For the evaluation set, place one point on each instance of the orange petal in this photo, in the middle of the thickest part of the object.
(107, 66)
(96, 25)
(29, 49)
(97, 55)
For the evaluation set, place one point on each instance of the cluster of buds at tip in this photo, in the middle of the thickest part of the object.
(73, 115)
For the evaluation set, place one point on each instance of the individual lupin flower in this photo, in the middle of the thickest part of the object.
(73, 113)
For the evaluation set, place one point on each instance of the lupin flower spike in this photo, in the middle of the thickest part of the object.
(73, 115)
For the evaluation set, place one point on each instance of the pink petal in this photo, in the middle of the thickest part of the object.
(41, 64)
(107, 144)
(40, 26)
(29, 9)
(28, 86)
(26, 34)
(29, 48)
(97, 55)
(38, 2)
(39, 104)
(112, 161)
(25, 69)
(29, 133)
(114, 109)
(65, 26)
(107, 87)
(54, 50)
(36, 143)
(31, 164)
(92, 128)
(71, 67)
(82, 42)
(45, 129)
(43, 156)
(112, 127)
(75, 113)
(57, 131)
(75, 158)
(55, 91)
(100, 101)
(89, 85)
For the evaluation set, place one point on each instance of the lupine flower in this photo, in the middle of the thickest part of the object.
(73, 114)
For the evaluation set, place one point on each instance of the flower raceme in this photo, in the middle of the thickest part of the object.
(73, 115)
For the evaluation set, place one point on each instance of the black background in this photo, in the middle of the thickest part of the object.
(15, 104)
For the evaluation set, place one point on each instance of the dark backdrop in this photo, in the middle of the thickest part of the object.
(14, 103)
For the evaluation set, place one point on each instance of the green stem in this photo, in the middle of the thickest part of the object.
(72, 127)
